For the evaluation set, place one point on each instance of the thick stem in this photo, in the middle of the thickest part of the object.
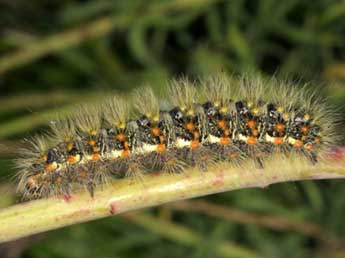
(130, 194)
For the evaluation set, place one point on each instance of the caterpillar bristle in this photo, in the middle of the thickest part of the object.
(146, 103)
(242, 121)
(183, 93)
(218, 89)
(88, 119)
(116, 111)
(254, 88)
(62, 129)
(284, 94)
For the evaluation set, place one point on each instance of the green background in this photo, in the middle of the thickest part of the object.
(55, 54)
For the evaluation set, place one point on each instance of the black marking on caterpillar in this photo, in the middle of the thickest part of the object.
(218, 119)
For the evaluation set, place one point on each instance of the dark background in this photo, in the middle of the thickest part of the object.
(54, 54)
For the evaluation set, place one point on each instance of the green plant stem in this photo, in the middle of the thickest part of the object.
(36, 100)
(24, 124)
(155, 189)
(96, 29)
(274, 222)
(33, 120)
(60, 41)
(188, 237)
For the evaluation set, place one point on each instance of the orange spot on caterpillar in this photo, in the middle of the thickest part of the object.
(251, 140)
(298, 144)
(73, 159)
(304, 137)
(44, 158)
(226, 132)
(160, 148)
(224, 140)
(304, 129)
(121, 137)
(309, 147)
(69, 146)
(50, 167)
(278, 140)
(317, 140)
(125, 153)
(280, 127)
(96, 157)
(255, 132)
(125, 145)
(161, 139)
(194, 144)
(251, 124)
(190, 126)
(91, 142)
(156, 131)
(221, 124)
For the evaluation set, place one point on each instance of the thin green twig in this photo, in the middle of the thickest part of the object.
(36, 100)
(96, 29)
(34, 120)
(274, 222)
(188, 237)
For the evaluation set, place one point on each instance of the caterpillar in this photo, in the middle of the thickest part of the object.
(221, 118)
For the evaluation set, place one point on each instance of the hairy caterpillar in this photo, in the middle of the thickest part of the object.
(221, 118)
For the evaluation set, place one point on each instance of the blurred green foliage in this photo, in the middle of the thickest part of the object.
(54, 54)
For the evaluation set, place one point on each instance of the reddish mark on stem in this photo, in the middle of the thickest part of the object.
(114, 207)
(156, 174)
(79, 213)
(219, 180)
(67, 197)
(337, 154)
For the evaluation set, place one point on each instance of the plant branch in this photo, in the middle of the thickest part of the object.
(274, 222)
(96, 29)
(158, 188)
(38, 100)
(33, 120)
(188, 237)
